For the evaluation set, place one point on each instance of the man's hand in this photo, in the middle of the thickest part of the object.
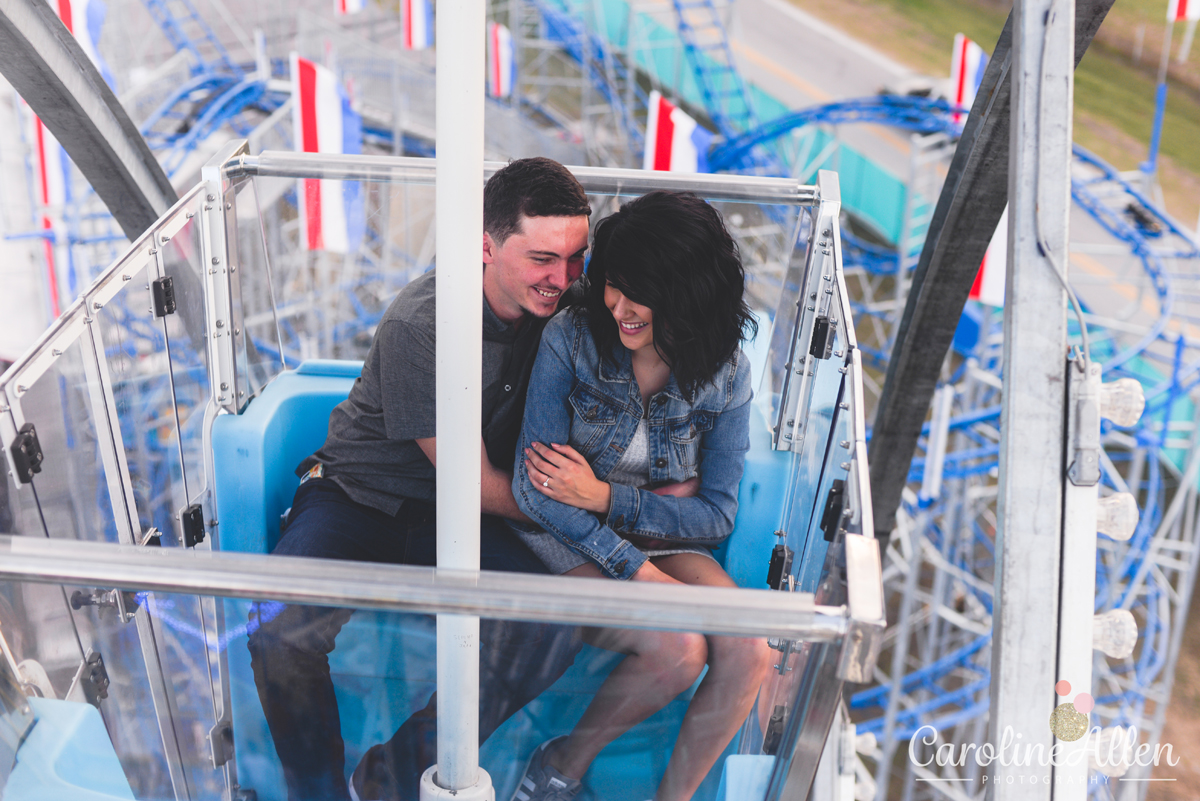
(561, 473)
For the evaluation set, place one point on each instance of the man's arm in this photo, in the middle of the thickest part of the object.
(495, 485)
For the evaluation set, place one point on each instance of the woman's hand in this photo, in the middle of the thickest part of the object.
(561, 473)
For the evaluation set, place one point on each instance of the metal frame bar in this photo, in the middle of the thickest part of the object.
(595, 180)
(402, 588)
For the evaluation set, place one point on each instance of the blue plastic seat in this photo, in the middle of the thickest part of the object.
(383, 666)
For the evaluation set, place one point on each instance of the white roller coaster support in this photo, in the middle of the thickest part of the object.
(1030, 502)
(459, 231)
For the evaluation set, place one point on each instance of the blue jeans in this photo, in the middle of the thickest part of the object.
(289, 652)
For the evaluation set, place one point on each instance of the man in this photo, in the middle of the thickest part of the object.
(368, 493)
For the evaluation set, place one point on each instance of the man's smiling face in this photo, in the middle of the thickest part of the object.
(531, 269)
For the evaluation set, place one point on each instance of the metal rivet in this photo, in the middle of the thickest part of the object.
(216, 259)
(845, 443)
(845, 465)
(97, 305)
(126, 277)
(189, 214)
(843, 405)
(224, 386)
(812, 308)
(153, 251)
(211, 198)
(165, 239)
(220, 323)
(237, 332)
(22, 389)
(56, 352)
(813, 296)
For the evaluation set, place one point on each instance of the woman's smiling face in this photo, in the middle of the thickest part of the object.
(635, 322)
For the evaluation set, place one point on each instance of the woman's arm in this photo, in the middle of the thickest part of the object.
(708, 516)
(548, 419)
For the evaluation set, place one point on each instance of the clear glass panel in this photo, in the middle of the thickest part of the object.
(539, 681)
(70, 494)
(328, 303)
(784, 315)
(135, 349)
(257, 340)
(183, 261)
(81, 703)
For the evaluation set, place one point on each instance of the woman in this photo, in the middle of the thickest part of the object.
(633, 444)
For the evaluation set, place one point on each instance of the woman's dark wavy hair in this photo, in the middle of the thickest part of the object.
(671, 252)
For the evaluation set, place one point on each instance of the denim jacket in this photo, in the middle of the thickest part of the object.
(577, 398)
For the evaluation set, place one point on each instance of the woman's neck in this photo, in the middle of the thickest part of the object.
(651, 372)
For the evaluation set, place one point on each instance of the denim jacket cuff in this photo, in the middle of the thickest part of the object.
(624, 561)
(623, 507)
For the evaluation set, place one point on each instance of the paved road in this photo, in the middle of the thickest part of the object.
(804, 61)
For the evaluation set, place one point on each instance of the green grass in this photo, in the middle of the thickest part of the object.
(1114, 98)
(1109, 88)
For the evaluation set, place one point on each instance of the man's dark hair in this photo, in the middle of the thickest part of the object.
(671, 252)
(535, 187)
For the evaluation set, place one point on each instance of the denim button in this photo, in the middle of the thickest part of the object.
(620, 568)
(660, 462)
(620, 521)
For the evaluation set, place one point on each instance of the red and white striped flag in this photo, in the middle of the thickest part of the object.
(1180, 10)
(966, 73)
(344, 7)
(416, 24)
(324, 123)
(989, 281)
(674, 141)
(501, 61)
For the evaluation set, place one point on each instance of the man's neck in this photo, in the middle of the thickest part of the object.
(491, 298)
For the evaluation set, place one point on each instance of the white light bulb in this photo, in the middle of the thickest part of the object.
(1122, 401)
(1117, 515)
(1114, 633)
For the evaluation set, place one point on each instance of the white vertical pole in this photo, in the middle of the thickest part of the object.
(1077, 592)
(1030, 503)
(459, 208)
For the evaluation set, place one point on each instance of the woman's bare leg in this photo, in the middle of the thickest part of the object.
(658, 666)
(736, 668)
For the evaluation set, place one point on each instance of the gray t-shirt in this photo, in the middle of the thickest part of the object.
(370, 449)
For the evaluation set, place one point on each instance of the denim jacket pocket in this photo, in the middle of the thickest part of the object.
(594, 417)
(685, 434)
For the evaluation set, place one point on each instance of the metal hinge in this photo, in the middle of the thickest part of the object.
(92, 679)
(832, 516)
(779, 571)
(822, 338)
(220, 740)
(27, 453)
(163, 290)
(192, 522)
(774, 733)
